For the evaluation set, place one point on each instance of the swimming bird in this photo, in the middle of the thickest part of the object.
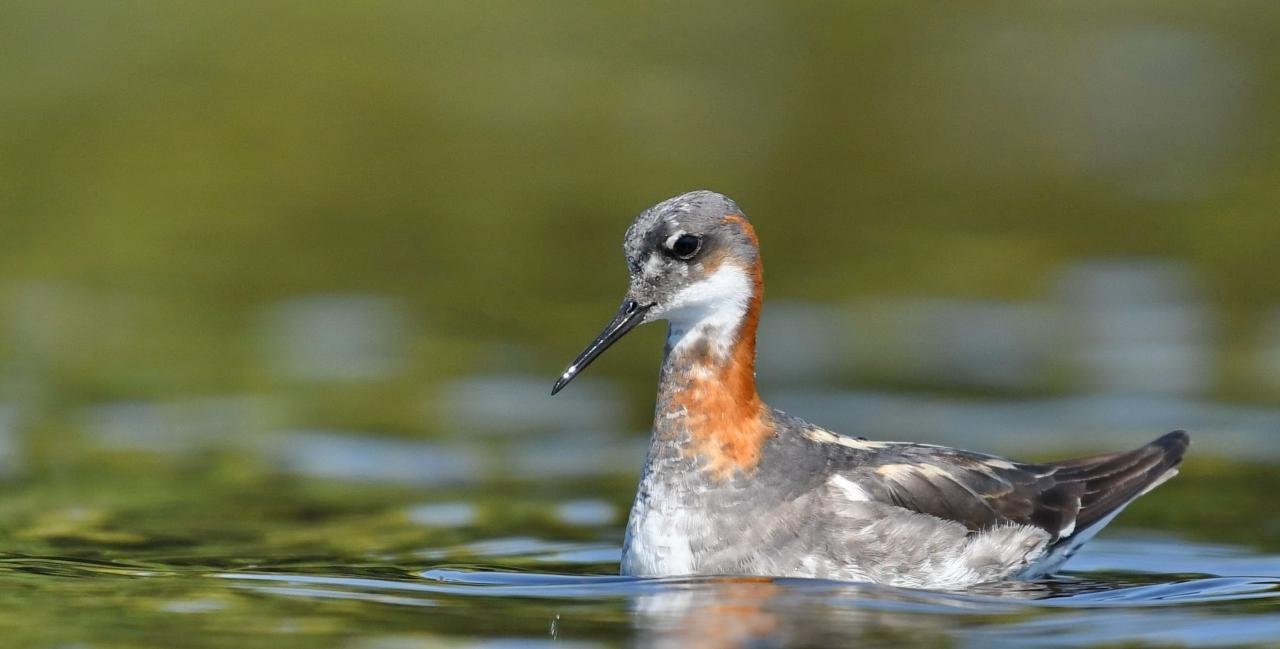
(733, 487)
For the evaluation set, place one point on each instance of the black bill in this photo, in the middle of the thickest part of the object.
(630, 315)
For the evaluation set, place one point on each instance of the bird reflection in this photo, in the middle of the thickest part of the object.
(753, 612)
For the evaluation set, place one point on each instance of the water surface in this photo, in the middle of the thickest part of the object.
(226, 551)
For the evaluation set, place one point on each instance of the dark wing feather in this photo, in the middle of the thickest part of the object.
(981, 491)
(1111, 481)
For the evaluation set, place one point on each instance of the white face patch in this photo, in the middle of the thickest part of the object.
(671, 240)
(653, 265)
(711, 308)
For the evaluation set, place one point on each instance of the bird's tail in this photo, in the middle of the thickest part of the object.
(1109, 482)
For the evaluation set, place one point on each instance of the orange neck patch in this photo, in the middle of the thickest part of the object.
(727, 422)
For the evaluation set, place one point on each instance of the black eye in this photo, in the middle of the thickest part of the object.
(686, 246)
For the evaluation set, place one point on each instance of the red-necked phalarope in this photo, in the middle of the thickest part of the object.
(732, 487)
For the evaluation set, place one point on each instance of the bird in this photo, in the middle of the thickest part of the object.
(733, 487)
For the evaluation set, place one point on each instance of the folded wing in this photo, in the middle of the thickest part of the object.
(982, 491)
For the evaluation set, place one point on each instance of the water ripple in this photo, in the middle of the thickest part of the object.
(1077, 610)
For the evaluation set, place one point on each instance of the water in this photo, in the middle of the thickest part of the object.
(345, 501)
(292, 513)
(283, 287)
(232, 550)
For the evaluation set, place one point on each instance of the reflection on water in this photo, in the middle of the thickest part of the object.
(1139, 327)
(739, 612)
(279, 308)
(587, 512)
(1115, 354)
(335, 338)
(1269, 350)
(343, 456)
(332, 562)
(10, 445)
(1116, 351)
(732, 612)
(443, 514)
(1134, 326)
(518, 405)
(263, 512)
(244, 552)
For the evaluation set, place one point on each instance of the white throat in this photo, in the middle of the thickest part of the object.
(711, 310)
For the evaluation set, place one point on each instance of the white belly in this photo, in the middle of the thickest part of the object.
(657, 539)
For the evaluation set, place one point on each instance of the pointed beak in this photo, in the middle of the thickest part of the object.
(629, 315)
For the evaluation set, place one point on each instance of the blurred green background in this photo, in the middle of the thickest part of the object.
(284, 286)
(202, 198)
